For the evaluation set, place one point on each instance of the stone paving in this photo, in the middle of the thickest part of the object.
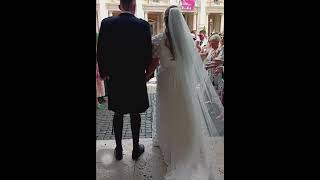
(104, 120)
(150, 166)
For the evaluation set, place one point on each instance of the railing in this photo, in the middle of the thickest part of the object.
(113, 1)
(167, 2)
(215, 3)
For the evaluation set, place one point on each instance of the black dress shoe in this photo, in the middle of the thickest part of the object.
(118, 153)
(136, 152)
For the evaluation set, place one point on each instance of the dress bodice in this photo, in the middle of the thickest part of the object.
(161, 51)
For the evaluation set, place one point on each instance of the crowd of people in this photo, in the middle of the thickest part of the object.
(211, 51)
(100, 88)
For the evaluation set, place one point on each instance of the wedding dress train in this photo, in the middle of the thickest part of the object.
(185, 102)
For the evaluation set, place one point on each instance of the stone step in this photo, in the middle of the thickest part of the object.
(150, 165)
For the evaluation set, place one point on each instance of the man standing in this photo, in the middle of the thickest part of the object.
(196, 40)
(203, 39)
(124, 53)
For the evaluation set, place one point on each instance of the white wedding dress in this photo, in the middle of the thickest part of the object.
(183, 96)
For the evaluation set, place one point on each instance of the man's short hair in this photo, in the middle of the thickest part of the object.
(126, 2)
(203, 31)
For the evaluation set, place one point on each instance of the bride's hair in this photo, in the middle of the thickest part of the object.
(168, 42)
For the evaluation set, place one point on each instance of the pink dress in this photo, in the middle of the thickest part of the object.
(99, 84)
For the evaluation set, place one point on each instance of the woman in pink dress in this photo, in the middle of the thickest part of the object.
(99, 87)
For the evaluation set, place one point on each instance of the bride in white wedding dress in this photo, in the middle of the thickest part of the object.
(185, 100)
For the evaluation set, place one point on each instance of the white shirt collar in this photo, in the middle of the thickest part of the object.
(127, 12)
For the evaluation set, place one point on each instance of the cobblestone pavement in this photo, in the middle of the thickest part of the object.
(104, 120)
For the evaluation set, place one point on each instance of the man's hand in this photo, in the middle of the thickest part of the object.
(149, 77)
(103, 78)
(154, 64)
(151, 68)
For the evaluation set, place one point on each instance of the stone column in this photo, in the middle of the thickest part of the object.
(158, 23)
(146, 16)
(162, 25)
(103, 12)
(97, 22)
(194, 21)
(222, 22)
(139, 9)
(206, 23)
(203, 15)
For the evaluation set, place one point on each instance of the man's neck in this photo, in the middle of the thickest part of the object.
(129, 12)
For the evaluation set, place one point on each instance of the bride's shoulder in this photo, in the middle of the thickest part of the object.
(156, 45)
(157, 37)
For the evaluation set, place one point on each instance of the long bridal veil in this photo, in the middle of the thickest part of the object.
(200, 102)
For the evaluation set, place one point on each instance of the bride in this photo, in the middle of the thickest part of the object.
(186, 100)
